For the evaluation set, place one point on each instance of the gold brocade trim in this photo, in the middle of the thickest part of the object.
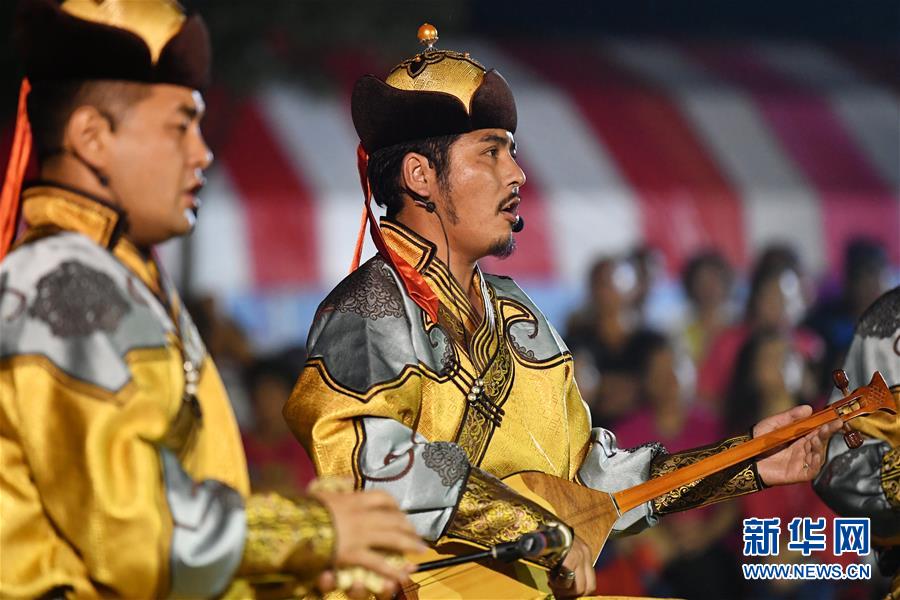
(445, 71)
(489, 512)
(43, 206)
(452, 325)
(491, 357)
(411, 247)
(47, 208)
(420, 253)
(890, 476)
(287, 537)
(439, 276)
(732, 482)
(474, 431)
(482, 341)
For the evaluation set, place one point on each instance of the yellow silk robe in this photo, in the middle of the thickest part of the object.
(433, 412)
(94, 427)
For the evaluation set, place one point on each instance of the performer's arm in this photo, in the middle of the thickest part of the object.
(433, 482)
(94, 486)
(610, 468)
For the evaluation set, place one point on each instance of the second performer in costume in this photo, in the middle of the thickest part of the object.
(431, 379)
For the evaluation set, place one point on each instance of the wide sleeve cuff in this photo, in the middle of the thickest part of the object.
(284, 536)
(490, 512)
(732, 482)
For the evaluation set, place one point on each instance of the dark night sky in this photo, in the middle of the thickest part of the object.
(252, 38)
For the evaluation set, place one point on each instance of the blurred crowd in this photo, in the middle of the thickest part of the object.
(744, 348)
(745, 345)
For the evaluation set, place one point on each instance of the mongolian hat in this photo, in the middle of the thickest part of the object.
(147, 41)
(436, 92)
(151, 41)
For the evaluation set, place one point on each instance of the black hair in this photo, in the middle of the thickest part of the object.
(51, 104)
(862, 257)
(711, 259)
(642, 346)
(384, 168)
(774, 261)
(743, 401)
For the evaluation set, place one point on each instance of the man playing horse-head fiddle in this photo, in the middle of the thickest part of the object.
(433, 380)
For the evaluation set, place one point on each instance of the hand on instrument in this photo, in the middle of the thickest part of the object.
(576, 576)
(370, 532)
(803, 458)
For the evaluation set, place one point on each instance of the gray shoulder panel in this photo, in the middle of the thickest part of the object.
(367, 331)
(882, 319)
(533, 338)
(70, 301)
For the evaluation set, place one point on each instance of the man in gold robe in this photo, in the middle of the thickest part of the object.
(430, 379)
(865, 481)
(122, 472)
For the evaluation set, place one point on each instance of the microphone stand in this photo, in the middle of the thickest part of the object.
(530, 545)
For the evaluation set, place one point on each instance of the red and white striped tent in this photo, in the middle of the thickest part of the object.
(683, 146)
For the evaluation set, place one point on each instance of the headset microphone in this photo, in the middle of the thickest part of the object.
(519, 225)
(425, 203)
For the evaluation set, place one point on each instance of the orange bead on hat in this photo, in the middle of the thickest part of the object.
(427, 34)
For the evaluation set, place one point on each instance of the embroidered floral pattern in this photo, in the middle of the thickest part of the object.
(448, 359)
(489, 512)
(729, 483)
(285, 536)
(76, 300)
(370, 292)
(882, 319)
(447, 460)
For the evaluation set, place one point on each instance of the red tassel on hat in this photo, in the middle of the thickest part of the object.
(415, 285)
(15, 173)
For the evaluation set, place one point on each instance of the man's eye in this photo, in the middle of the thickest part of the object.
(493, 152)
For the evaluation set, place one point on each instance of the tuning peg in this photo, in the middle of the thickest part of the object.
(852, 438)
(839, 377)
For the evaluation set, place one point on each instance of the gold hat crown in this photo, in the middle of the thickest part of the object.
(154, 21)
(432, 70)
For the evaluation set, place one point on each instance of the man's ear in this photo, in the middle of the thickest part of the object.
(88, 135)
(418, 174)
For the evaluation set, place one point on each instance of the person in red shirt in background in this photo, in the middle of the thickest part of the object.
(777, 300)
(768, 376)
(686, 554)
